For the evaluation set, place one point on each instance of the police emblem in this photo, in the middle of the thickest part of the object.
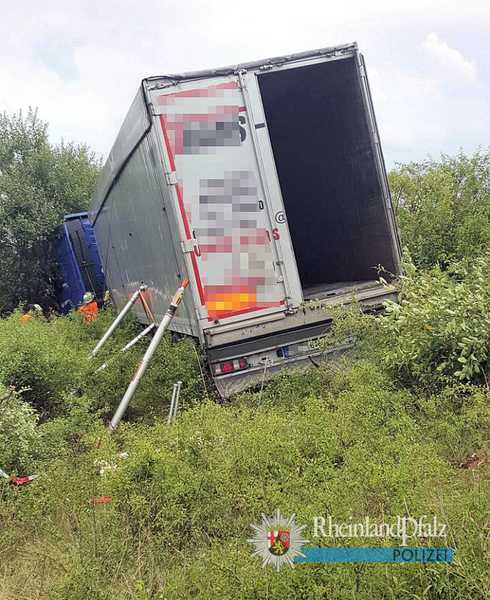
(278, 540)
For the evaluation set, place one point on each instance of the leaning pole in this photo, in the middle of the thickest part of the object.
(140, 371)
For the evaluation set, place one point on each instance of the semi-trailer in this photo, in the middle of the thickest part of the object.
(263, 183)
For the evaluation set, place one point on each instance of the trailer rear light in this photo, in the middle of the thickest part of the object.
(229, 366)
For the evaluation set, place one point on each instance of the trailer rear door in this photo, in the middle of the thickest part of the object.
(219, 200)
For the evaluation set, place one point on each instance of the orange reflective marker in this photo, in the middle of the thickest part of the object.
(102, 499)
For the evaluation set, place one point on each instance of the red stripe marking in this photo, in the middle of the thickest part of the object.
(163, 123)
(243, 286)
(200, 288)
(184, 118)
(180, 200)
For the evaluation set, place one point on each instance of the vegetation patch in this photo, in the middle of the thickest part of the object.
(398, 426)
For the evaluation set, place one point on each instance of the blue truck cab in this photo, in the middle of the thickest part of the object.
(79, 262)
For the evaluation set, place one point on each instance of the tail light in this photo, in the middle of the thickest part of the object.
(229, 366)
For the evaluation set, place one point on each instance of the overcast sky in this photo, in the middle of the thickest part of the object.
(80, 61)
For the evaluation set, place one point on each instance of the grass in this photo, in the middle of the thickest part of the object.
(349, 440)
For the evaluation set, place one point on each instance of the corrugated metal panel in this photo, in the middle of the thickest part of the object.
(138, 240)
(136, 124)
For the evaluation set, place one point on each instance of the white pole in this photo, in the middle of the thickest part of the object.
(172, 404)
(130, 344)
(140, 371)
(176, 403)
(138, 337)
(117, 320)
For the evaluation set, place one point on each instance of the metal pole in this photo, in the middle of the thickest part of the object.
(117, 320)
(172, 403)
(140, 371)
(177, 396)
(138, 337)
(148, 311)
(129, 345)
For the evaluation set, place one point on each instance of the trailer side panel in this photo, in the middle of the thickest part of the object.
(138, 241)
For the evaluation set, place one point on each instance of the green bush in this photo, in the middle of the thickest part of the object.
(439, 332)
(380, 431)
(457, 419)
(43, 357)
(184, 499)
(49, 360)
(39, 183)
(443, 207)
(346, 443)
(18, 432)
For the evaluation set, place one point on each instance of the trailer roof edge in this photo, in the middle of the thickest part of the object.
(229, 70)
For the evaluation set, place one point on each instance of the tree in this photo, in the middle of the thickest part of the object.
(39, 183)
(443, 207)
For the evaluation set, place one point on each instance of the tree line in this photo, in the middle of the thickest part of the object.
(442, 206)
(39, 183)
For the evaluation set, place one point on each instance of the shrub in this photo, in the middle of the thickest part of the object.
(183, 501)
(18, 431)
(44, 358)
(220, 468)
(49, 359)
(439, 332)
(443, 207)
(39, 183)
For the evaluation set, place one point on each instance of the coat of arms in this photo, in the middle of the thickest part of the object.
(278, 540)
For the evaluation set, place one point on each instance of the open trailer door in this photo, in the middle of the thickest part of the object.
(222, 207)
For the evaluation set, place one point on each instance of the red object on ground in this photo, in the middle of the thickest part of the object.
(102, 499)
(22, 479)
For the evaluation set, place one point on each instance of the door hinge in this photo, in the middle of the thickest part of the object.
(187, 246)
(171, 178)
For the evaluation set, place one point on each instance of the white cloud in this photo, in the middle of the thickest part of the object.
(81, 62)
(449, 58)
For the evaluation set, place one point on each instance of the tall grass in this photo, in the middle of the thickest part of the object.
(349, 440)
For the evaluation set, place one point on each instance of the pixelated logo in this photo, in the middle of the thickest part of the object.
(280, 217)
(278, 540)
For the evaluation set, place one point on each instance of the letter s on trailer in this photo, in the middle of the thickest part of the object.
(264, 184)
